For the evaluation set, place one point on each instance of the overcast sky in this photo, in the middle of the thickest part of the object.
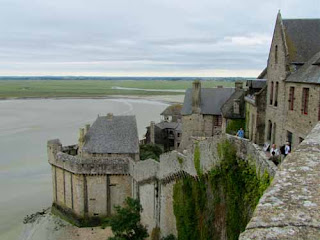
(141, 38)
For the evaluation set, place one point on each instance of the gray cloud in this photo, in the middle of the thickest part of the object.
(116, 37)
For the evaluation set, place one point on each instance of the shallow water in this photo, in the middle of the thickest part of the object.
(25, 127)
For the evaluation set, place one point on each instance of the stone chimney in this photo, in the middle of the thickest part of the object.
(152, 133)
(238, 85)
(196, 96)
(110, 116)
(86, 129)
(81, 139)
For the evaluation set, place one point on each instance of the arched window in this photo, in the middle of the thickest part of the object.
(271, 93)
(276, 94)
(276, 54)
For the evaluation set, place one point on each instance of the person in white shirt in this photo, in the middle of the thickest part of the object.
(274, 154)
(287, 149)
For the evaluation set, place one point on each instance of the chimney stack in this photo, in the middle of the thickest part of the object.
(196, 96)
(109, 116)
(152, 133)
(238, 85)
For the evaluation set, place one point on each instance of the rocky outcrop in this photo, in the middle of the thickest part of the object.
(44, 225)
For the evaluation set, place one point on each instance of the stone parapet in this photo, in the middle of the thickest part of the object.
(290, 208)
(78, 165)
(253, 154)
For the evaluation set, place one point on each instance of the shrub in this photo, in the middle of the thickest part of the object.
(125, 224)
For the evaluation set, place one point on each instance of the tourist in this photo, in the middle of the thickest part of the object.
(274, 154)
(287, 149)
(240, 133)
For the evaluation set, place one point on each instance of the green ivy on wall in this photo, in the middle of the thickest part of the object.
(221, 202)
(234, 125)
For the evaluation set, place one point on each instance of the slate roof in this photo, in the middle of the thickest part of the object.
(117, 134)
(302, 37)
(174, 109)
(308, 73)
(256, 83)
(227, 107)
(164, 125)
(211, 100)
(263, 74)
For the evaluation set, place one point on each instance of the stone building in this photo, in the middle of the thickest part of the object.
(293, 80)
(233, 111)
(165, 134)
(172, 113)
(255, 104)
(91, 177)
(201, 111)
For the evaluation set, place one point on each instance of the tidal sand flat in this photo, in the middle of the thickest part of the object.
(25, 127)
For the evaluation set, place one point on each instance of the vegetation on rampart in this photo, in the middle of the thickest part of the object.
(150, 151)
(221, 202)
(125, 224)
(234, 125)
(196, 159)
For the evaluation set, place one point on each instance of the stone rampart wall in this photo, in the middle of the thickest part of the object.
(253, 154)
(155, 180)
(290, 207)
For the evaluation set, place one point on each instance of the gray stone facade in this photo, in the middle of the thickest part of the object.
(283, 123)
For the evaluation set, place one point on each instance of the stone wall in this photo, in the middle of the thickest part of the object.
(277, 72)
(88, 188)
(198, 125)
(155, 180)
(298, 123)
(290, 208)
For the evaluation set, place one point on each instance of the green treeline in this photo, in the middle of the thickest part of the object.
(221, 203)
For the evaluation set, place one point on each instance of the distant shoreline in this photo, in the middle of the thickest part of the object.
(170, 99)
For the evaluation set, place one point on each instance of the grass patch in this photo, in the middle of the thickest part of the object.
(93, 88)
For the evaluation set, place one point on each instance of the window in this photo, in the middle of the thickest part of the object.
(305, 101)
(274, 133)
(276, 54)
(291, 98)
(218, 121)
(289, 137)
(276, 94)
(300, 139)
(271, 93)
(269, 130)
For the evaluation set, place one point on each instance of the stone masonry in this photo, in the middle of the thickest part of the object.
(290, 207)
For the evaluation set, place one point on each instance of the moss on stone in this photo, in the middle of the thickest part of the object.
(180, 160)
(196, 159)
(221, 202)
